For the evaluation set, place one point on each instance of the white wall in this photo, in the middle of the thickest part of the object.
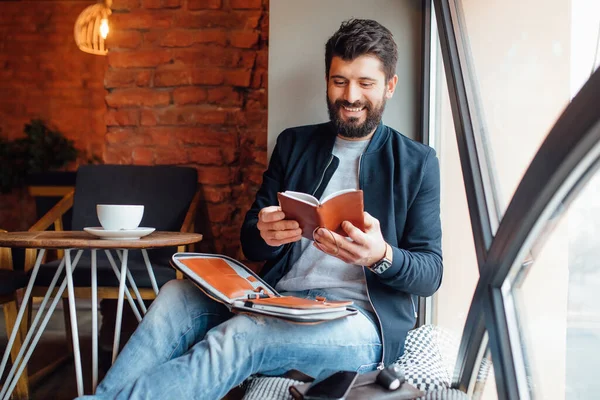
(298, 32)
(585, 26)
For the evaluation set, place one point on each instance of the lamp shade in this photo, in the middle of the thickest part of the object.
(91, 28)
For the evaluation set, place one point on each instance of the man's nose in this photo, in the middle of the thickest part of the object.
(352, 93)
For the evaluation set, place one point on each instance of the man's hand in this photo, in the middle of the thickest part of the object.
(366, 248)
(275, 229)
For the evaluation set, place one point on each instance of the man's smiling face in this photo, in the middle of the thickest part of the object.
(356, 95)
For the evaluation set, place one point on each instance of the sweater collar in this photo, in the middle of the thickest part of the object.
(377, 140)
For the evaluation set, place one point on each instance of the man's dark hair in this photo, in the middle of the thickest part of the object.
(358, 37)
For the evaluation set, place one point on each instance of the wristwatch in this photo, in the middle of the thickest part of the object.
(380, 266)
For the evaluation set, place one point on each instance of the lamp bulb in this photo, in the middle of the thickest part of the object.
(104, 28)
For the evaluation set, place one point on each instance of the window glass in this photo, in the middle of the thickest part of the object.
(525, 60)
(555, 297)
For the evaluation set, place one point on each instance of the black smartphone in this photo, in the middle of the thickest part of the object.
(334, 387)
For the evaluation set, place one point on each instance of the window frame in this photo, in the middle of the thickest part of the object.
(569, 151)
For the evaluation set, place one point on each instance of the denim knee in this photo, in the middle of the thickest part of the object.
(171, 296)
(175, 287)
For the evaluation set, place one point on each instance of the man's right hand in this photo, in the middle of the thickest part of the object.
(275, 229)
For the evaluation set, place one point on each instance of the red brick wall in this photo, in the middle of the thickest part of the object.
(184, 84)
(44, 75)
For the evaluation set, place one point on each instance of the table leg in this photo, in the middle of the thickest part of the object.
(117, 273)
(150, 271)
(120, 305)
(94, 323)
(134, 286)
(74, 329)
(137, 292)
(10, 383)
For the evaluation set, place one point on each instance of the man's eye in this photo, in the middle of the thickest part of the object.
(339, 82)
(366, 84)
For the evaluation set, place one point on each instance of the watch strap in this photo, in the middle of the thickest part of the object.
(386, 262)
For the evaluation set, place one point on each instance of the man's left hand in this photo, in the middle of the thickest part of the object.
(366, 248)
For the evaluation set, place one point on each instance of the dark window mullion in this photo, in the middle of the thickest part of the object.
(471, 342)
(479, 204)
(465, 135)
(494, 310)
(425, 109)
(425, 71)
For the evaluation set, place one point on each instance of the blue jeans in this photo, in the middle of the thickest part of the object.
(189, 346)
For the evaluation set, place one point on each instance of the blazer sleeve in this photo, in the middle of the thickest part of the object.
(417, 261)
(253, 245)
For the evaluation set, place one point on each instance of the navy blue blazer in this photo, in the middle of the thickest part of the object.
(400, 179)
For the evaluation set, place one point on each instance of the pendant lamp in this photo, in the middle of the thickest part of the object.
(91, 28)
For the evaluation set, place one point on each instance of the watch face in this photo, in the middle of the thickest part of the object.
(381, 266)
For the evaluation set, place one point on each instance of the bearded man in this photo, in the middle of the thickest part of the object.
(189, 346)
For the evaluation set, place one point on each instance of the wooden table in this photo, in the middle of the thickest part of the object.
(79, 241)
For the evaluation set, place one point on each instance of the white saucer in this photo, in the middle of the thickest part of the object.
(124, 234)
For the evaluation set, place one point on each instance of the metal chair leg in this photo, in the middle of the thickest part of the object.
(10, 318)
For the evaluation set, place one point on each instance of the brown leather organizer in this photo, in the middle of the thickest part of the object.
(230, 282)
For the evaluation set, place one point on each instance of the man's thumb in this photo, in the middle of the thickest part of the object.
(369, 221)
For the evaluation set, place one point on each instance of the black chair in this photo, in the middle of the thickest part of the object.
(10, 282)
(169, 195)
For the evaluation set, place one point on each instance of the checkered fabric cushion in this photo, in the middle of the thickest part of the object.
(484, 369)
(429, 355)
(445, 394)
(427, 359)
(269, 388)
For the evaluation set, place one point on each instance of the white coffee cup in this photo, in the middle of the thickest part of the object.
(114, 217)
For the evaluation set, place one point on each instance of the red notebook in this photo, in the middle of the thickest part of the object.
(345, 205)
(230, 282)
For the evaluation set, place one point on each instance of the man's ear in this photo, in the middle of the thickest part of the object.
(391, 87)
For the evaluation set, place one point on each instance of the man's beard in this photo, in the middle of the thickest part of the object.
(352, 128)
